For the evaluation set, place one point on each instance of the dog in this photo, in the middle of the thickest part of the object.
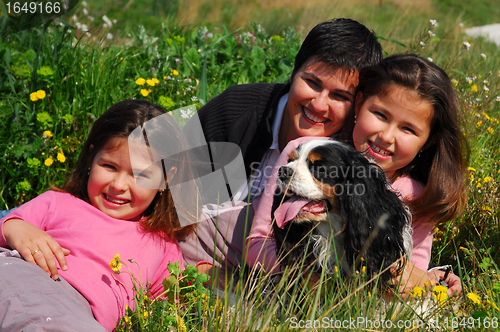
(335, 209)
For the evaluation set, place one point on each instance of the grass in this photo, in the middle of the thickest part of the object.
(195, 50)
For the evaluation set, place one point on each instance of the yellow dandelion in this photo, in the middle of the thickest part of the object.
(49, 161)
(150, 82)
(487, 179)
(472, 169)
(40, 94)
(486, 208)
(439, 293)
(60, 156)
(140, 81)
(145, 314)
(164, 77)
(155, 80)
(336, 269)
(363, 269)
(127, 319)
(180, 323)
(145, 92)
(473, 88)
(490, 130)
(479, 185)
(116, 263)
(474, 297)
(493, 304)
(33, 96)
(47, 134)
(479, 123)
(174, 72)
(417, 291)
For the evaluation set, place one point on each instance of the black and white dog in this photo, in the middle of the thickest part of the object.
(332, 207)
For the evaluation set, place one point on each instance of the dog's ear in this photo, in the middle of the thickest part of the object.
(364, 200)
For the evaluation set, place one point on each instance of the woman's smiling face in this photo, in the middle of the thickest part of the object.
(319, 101)
(392, 128)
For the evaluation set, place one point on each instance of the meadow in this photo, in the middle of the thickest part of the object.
(57, 78)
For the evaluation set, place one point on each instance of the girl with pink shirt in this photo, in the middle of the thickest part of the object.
(118, 199)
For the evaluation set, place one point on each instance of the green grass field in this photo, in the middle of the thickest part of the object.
(56, 79)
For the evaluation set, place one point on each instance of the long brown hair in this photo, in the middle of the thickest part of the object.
(441, 165)
(119, 121)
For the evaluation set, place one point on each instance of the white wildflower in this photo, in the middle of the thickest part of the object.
(461, 24)
(85, 11)
(430, 59)
(469, 80)
(433, 23)
(486, 89)
(107, 21)
(430, 33)
(466, 45)
(185, 113)
(422, 44)
(84, 3)
(483, 56)
(209, 35)
(497, 99)
(109, 36)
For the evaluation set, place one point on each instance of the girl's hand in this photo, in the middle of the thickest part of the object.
(36, 246)
(409, 278)
(453, 281)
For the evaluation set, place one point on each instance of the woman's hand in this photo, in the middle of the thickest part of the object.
(453, 281)
(36, 246)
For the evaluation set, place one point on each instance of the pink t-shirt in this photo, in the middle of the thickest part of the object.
(422, 230)
(261, 249)
(94, 238)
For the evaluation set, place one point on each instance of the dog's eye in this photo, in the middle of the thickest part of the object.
(293, 155)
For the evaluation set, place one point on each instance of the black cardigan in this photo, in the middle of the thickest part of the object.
(242, 114)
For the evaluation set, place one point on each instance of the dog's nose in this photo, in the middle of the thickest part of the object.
(285, 173)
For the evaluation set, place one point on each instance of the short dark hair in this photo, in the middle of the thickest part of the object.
(340, 43)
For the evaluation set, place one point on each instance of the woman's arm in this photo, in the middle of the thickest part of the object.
(35, 245)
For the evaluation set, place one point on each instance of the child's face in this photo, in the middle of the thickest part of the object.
(393, 128)
(112, 187)
(319, 100)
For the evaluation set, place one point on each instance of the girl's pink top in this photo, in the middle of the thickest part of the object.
(94, 238)
(261, 249)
